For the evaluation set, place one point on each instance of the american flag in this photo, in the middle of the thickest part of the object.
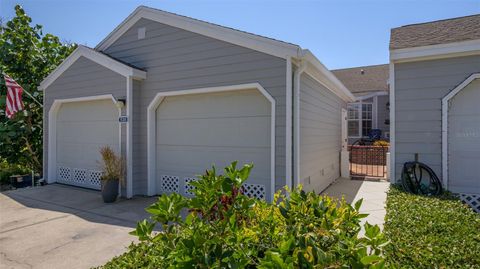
(14, 97)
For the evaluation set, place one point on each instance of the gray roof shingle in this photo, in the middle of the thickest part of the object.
(364, 79)
(436, 32)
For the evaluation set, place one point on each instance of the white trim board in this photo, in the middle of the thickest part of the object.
(52, 131)
(320, 73)
(244, 39)
(445, 108)
(97, 57)
(288, 125)
(370, 95)
(392, 122)
(456, 49)
(151, 128)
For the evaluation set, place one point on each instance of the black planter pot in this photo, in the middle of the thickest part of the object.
(109, 190)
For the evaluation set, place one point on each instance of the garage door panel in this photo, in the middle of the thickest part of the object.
(194, 132)
(234, 104)
(91, 110)
(214, 132)
(200, 158)
(82, 129)
(99, 132)
(464, 140)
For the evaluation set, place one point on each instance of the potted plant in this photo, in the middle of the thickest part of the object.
(113, 169)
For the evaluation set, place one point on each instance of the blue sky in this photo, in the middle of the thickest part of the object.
(340, 33)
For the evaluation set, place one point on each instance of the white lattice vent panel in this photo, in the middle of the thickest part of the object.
(64, 173)
(170, 183)
(95, 177)
(80, 176)
(254, 190)
(189, 188)
(472, 200)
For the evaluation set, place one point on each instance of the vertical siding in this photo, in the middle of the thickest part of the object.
(320, 134)
(83, 78)
(176, 59)
(419, 89)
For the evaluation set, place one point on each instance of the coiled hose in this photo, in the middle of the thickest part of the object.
(419, 178)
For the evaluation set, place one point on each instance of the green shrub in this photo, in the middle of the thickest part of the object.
(431, 232)
(223, 228)
(7, 170)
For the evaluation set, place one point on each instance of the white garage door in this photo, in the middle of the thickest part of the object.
(193, 132)
(82, 128)
(464, 140)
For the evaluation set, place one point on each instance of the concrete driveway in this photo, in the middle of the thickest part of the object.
(58, 226)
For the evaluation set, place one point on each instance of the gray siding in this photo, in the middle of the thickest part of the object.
(320, 134)
(419, 89)
(176, 59)
(83, 78)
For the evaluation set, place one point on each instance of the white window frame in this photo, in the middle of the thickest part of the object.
(360, 119)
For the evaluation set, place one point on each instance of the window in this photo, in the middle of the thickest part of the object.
(360, 118)
(353, 120)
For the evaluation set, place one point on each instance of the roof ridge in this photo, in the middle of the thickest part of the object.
(440, 20)
(365, 66)
(219, 25)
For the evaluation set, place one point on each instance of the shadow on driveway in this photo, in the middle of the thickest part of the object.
(59, 226)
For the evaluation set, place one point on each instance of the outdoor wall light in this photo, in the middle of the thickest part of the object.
(120, 103)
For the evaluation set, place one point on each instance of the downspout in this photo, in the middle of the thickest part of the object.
(296, 119)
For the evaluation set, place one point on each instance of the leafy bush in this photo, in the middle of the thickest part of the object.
(7, 170)
(431, 232)
(224, 228)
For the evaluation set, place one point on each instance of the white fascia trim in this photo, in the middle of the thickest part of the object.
(456, 49)
(321, 74)
(151, 127)
(255, 42)
(52, 129)
(96, 57)
(392, 122)
(370, 95)
(445, 107)
(296, 119)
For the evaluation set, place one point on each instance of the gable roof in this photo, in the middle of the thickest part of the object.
(256, 42)
(436, 32)
(259, 43)
(364, 79)
(97, 57)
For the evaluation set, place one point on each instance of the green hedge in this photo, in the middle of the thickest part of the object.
(7, 170)
(431, 232)
(225, 229)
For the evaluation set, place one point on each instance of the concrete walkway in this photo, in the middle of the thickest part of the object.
(64, 227)
(374, 194)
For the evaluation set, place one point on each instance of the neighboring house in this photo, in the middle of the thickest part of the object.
(194, 94)
(435, 97)
(369, 84)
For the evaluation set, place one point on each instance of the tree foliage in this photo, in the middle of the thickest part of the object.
(28, 56)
